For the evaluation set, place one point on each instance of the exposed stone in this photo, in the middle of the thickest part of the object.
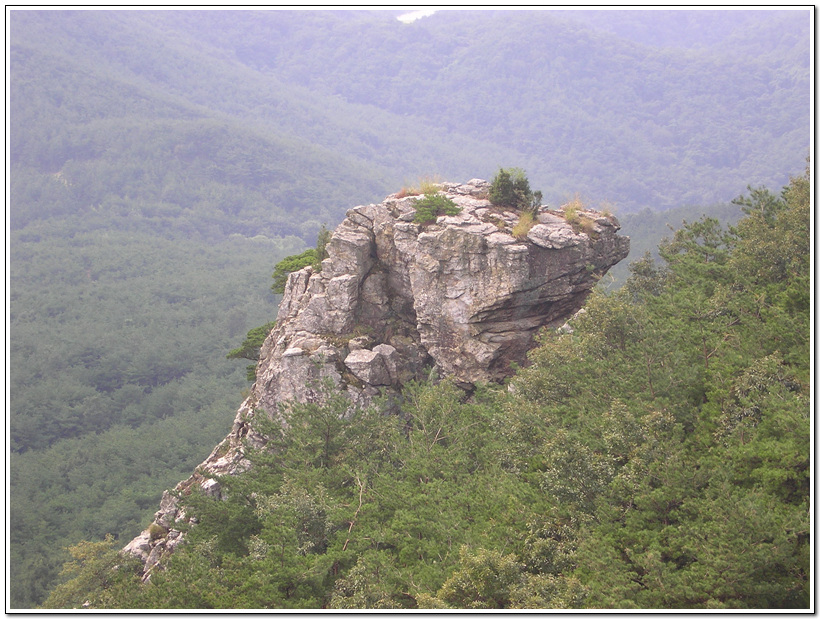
(460, 295)
(140, 546)
(391, 359)
(360, 342)
(553, 236)
(293, 352)
(368, 366)
(567, 326)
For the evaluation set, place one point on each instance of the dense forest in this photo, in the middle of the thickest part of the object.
(161, 163)
(253, 113)
(656, 456)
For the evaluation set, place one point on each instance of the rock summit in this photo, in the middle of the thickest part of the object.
(464, 295)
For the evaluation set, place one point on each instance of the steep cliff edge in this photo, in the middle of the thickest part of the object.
(395, 298)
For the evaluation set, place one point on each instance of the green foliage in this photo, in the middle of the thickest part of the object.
(289, 265)
(551, 113)
(511, 188)
(250, 347)
(156, 530)
(253, 342)
(373, 582)
(145, 202)
(309, 257)
(117, 345)
(485, 579)
(433, 205)
(657, 457)
(488, 579)
(681, 507)
(96, 577)
(647, 229)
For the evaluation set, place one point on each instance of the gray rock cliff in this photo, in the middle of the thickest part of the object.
(396, 298)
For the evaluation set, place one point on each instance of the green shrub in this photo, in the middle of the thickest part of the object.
(432, 205)
(250, 348)
(511, 188)
(290, 264)
(156, 531)
(253, 342)
(309, 257)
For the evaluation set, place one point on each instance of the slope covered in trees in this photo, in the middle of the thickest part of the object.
(250, 115)
(118, 379)
(585, 110)
(161, 163)
(655, 457)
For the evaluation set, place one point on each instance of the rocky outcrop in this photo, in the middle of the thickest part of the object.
(396, 298)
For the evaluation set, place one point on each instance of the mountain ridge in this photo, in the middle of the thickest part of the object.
(410, 99)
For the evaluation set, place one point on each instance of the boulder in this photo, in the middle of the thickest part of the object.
(368, 366)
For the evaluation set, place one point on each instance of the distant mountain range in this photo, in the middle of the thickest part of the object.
(272, 121)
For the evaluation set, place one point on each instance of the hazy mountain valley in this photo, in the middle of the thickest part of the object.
(163, 162)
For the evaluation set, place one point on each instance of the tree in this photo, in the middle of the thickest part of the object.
(673, 400)
(310, 257)
(511, 188)
(288, 265)
(484, 579)
(96, 577)
(250, 347)
(656, 456)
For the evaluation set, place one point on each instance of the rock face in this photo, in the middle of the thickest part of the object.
(396, 298)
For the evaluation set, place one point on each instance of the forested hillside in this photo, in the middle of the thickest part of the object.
(655, 457)
(162, 162)
(585, 111)
(346, 95)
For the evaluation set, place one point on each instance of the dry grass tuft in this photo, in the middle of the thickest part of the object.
(407, 191)
(426, 185)
(525, 223)
(571, 209)
(430, 184)
(588, 226)
(607, 210)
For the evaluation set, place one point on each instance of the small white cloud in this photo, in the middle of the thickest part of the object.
(414, 15)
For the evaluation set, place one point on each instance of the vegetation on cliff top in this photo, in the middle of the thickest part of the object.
(655, 457)
(432, 206)
(511, 188)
